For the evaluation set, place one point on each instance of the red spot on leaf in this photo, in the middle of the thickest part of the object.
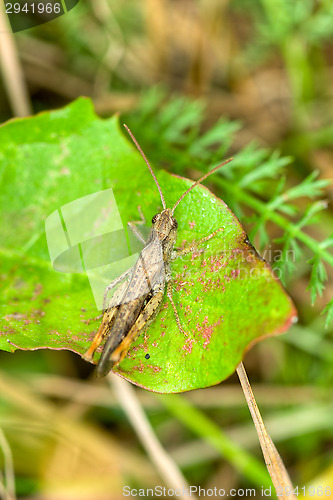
(188, 345)
(206, 330)
(155, 369)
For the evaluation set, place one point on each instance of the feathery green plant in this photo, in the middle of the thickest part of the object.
(256, 181)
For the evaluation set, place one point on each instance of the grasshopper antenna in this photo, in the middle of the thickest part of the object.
(147, 162)
(198, 182)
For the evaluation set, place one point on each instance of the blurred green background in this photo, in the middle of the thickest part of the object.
(257, 74)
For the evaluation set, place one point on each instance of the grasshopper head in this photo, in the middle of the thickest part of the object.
(165, 225)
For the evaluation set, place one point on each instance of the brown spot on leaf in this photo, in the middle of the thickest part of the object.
(15, 316)
(38, 290)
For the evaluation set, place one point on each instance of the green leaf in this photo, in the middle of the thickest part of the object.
(226, 295)
(221, 133)
(328, 242)
(268, 169)
(329, 311)
(311, 212)
(309, 187)
(317, 279)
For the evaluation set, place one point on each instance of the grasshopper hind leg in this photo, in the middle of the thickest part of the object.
(109, 360)
(108, 319)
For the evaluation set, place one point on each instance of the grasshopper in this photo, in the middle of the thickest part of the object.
(135, 304)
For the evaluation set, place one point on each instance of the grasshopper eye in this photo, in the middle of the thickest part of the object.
(154, 219)
(174, 223)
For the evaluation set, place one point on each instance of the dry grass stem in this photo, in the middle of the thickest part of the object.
(274, 464)
(8, 490)
(167, 468)
(12, 74)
